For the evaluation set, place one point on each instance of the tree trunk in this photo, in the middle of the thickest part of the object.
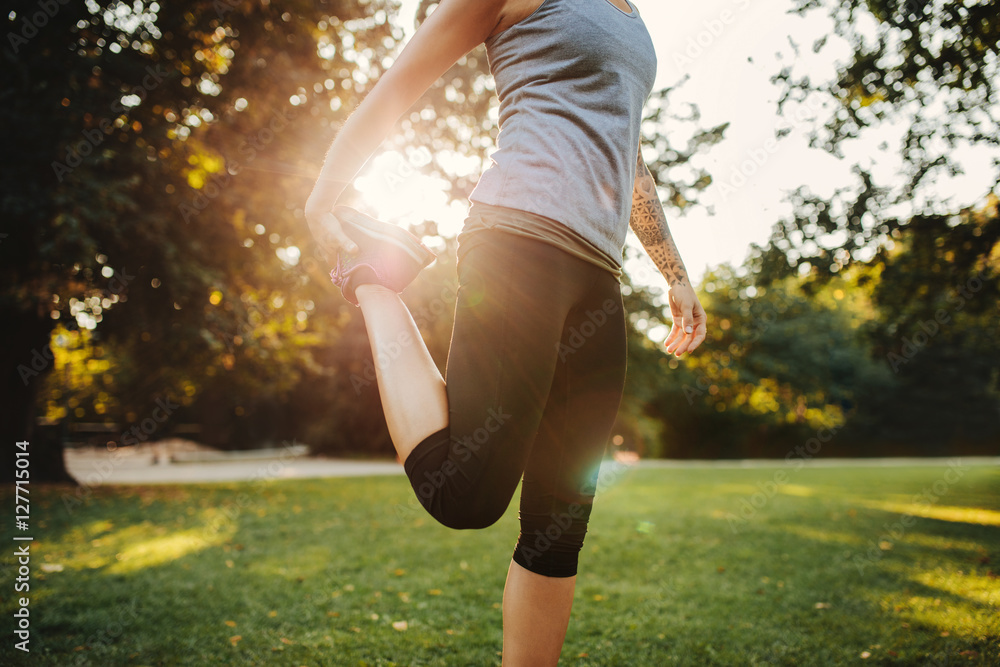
(27, 358)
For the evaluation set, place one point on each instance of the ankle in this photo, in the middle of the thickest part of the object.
(368, 290)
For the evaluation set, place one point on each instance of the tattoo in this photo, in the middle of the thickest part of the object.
(650, 225)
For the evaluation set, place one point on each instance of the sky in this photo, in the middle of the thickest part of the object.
(726, 51)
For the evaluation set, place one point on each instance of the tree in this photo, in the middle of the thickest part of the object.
(931, 64)
(99, 208)
(931, 68)
(934, 330)
(784, 365)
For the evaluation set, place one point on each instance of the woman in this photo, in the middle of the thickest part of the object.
(537, 360)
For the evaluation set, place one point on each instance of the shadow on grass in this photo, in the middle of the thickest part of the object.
(329, 572)
(304, 574)
(784, 587)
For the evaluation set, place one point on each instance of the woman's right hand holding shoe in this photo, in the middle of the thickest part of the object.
(451, 31)
(325, 227)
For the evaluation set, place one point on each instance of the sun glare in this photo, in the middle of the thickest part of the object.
(396, 188)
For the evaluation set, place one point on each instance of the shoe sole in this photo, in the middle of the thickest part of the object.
(384, 232)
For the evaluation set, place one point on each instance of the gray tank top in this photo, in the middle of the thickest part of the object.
(572, 79)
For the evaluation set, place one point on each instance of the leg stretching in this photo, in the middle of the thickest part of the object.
(410, 386)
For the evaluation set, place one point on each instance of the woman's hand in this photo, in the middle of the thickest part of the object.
(451, 31)
(326, 230)
(690, 321)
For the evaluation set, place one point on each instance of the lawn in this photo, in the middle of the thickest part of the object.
(701, 566)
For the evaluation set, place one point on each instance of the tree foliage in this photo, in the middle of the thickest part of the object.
(918, 61)
(164, 155)
(929, 67)
(931, 269)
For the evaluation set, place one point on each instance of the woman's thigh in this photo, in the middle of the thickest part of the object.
(516, 301)
(512, 301)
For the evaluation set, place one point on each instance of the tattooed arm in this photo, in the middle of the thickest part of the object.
(650, 225)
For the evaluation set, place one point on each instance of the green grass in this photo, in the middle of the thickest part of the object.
(317, 572)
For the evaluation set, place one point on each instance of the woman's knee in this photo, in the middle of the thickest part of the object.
(550, 545)
(469, 510)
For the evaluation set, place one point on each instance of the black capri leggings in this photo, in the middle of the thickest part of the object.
(534, 380)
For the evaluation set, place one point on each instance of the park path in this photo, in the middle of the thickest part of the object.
(156, 463)
(177, 462)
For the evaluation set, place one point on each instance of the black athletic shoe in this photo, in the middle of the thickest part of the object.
(387, 255)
